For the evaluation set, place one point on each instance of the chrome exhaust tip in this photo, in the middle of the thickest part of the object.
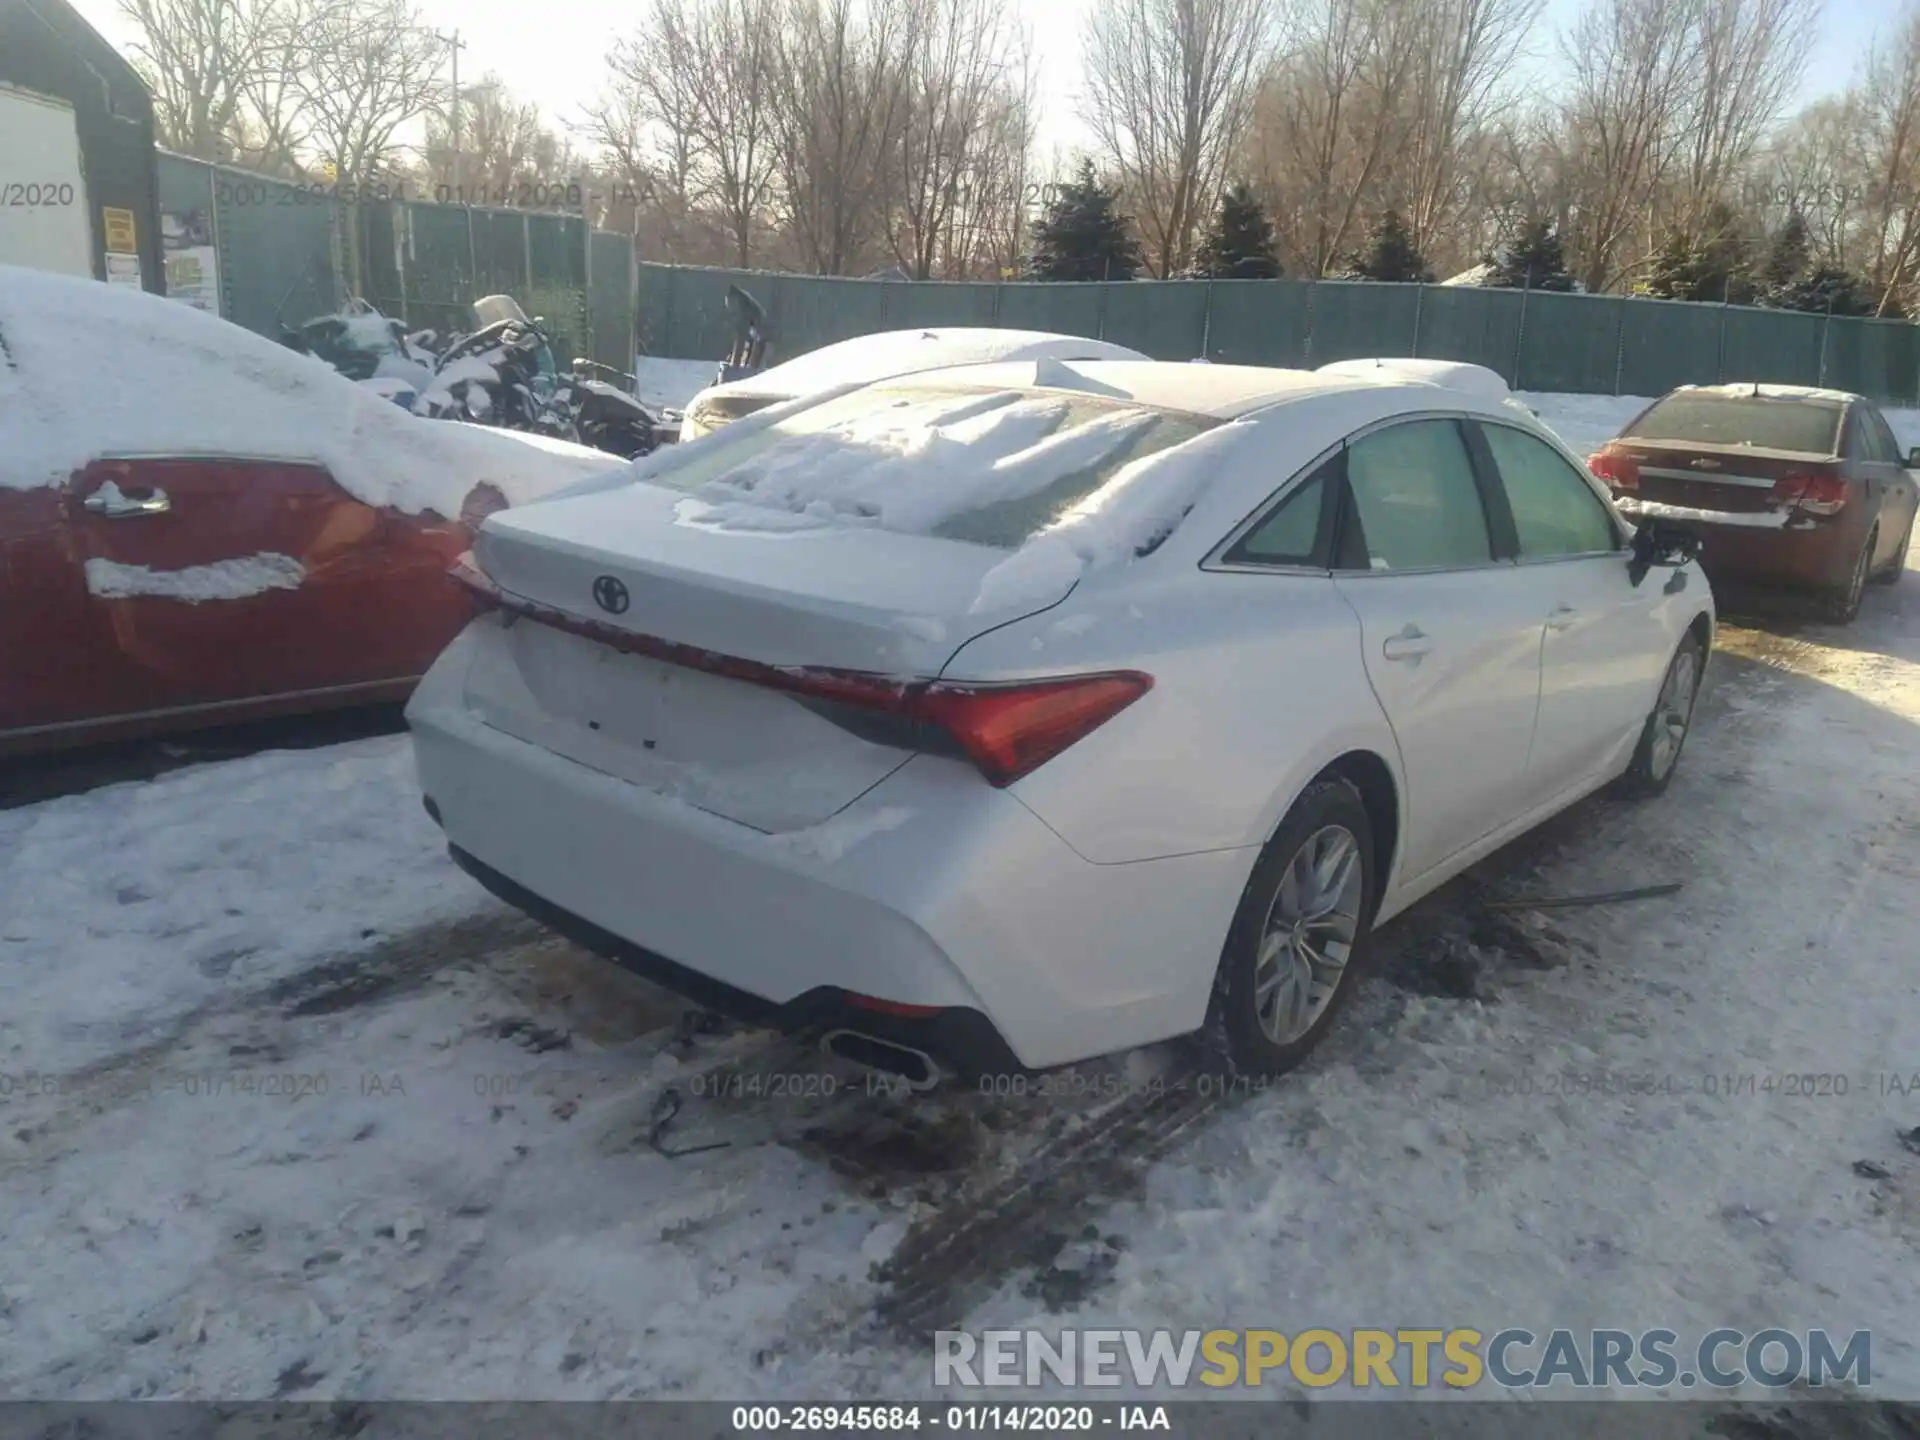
(919, 1069)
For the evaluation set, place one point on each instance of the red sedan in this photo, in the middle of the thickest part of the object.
(200, 526)
(1789, 488)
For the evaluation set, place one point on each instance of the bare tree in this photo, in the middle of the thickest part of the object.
(1889, 109)
(1630, 63)
(273, 119)
(644, 123)
(1169, 92)
(372, 69)
(503, 140)
(1458, 89)
(1330, 122)
(954, 83)
(197, 56)
(1748, 55)
(841, 83)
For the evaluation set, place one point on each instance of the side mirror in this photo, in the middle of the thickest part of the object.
(1658, 542)
(1912, 462)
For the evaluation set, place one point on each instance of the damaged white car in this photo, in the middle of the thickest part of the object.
(996, 718)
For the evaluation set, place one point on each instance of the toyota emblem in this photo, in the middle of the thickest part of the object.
(611, 595)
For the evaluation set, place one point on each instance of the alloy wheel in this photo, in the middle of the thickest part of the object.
(1309, 934)
(1674, 712)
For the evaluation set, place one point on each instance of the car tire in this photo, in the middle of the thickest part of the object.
(1668, 724)
(1841, 605)
(1267, 1011)
(1897, 566)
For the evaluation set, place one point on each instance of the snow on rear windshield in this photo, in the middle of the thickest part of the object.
(1764, 422)
(988, 467)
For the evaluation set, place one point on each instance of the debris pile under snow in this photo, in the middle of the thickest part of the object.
(91, 371)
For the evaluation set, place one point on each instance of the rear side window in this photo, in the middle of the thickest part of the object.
(1555, 512)
(1290, 534)
(1810, 427)
(1416, 501)
(1881, 444)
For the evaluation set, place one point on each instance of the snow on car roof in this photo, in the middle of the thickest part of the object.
(1222, 391)
(106, 371)
(1737, 391)
(897, 352)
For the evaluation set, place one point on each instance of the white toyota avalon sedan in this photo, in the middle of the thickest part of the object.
(998, 717)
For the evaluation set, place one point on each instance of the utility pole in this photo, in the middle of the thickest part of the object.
(456, 44)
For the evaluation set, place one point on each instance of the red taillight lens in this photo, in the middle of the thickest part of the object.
(1007, 731)
(477, 583)
(1622, 472)
(1817, 493)
(892, 1007)
(1011, 730)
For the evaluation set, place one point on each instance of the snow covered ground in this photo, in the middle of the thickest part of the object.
(289, 1107)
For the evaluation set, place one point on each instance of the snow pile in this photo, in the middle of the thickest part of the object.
(1134, 511)
(102, 371)
(223, 580)
(910, 465)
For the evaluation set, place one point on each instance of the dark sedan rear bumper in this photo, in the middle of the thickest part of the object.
(1802, 555)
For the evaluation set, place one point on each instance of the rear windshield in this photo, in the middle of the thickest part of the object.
(991, 467)
(1763, 422)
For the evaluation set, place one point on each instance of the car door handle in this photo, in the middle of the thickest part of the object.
(1410, 644)
(110, 502)
(1562, 617)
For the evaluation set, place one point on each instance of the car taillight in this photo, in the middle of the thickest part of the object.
(1010, 730)
(1006, 731)
(1622, 472)
(466, 570)
(1817, 493)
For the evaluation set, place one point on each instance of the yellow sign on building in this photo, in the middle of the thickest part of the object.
(122, 235)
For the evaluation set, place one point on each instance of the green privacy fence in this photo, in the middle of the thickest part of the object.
(1584, 344)
(261, 251)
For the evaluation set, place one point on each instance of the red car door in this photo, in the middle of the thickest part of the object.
(59, 663)
(229, 581)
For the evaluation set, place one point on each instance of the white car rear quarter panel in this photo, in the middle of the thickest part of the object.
(1258, 685)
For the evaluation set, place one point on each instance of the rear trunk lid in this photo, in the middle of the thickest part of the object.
(844, 546)
(1735, 479)
(866, 600)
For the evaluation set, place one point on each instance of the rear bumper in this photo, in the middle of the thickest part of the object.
(963, 1039)
(1812, 556)
(931, 890)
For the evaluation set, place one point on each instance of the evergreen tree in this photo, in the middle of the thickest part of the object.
(1532, 259)
(1710, 265)
(1083, 235)
(1828, 289)
(1389, 254)
(1788, 255)
(1238, 244)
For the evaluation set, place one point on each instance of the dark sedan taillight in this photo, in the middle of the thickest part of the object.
(1816, 492)
(1621, 472)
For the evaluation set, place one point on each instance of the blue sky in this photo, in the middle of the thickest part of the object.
(554, 54)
